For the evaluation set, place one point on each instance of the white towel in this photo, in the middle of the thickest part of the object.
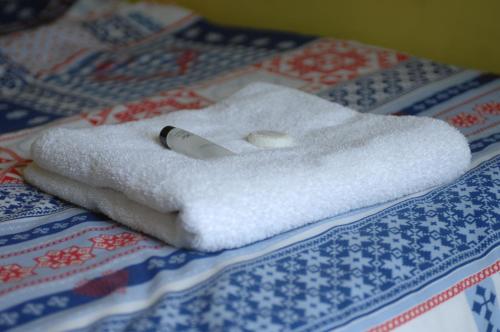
(343, 160)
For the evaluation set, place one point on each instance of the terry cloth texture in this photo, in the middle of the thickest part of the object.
(342, 160)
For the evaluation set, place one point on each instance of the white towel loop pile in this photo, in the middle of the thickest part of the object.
(341, 160)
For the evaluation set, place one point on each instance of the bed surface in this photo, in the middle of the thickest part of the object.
(429, 261)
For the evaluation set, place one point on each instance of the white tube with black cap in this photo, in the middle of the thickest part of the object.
(192, 145)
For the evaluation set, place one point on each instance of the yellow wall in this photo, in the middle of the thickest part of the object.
(461, 32)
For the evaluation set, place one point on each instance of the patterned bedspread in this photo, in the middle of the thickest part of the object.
(425, 262)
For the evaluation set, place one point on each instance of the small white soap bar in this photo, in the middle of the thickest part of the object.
(270, 139)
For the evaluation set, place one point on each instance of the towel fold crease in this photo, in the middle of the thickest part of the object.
(343, 160)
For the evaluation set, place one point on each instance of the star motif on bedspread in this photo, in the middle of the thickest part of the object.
(14, 272)
(73, 255)
(115, 241)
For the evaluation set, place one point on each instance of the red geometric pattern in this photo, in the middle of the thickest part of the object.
(115, 241)
(147, 108)
(61, 258)
(465, 120)
(105, 70)
(10, 166)
(13, 272)
(321, 66)
(491, 108)
(97, 118)
(472, 114)
(137, 111)
(166, 102)
(329, 61)
(183, 99)
(437, 299)
(74, 255)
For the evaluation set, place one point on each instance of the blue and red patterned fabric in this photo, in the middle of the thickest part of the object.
(425, 262)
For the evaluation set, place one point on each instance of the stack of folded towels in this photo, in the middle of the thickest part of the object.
(341, 160)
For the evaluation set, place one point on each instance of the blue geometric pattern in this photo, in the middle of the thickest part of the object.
(121, 29)
(204, 32)
(152, 67)
(25, 201)
(114, 29)
(26, 102)
(328, 280)
(196, 52)
(484, 142)
(34, 104)
(447, 94)
(485, 307)
(325, 282)
(12, 75)
(145, 21)
(102, 78)
(49, 228)
(370, 91)
(14, 116)
(381, 264)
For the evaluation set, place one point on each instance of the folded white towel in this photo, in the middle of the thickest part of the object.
(342, 160)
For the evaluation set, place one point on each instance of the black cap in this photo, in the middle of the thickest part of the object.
(163, 135)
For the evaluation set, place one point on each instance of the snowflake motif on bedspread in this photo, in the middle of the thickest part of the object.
(94, 73)
(164, 61)
(369, 91)
(25, 201)
(127, 57)
(130, 66)
(327, 280)
(326, 62)
(485, 306)
(151, 68)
